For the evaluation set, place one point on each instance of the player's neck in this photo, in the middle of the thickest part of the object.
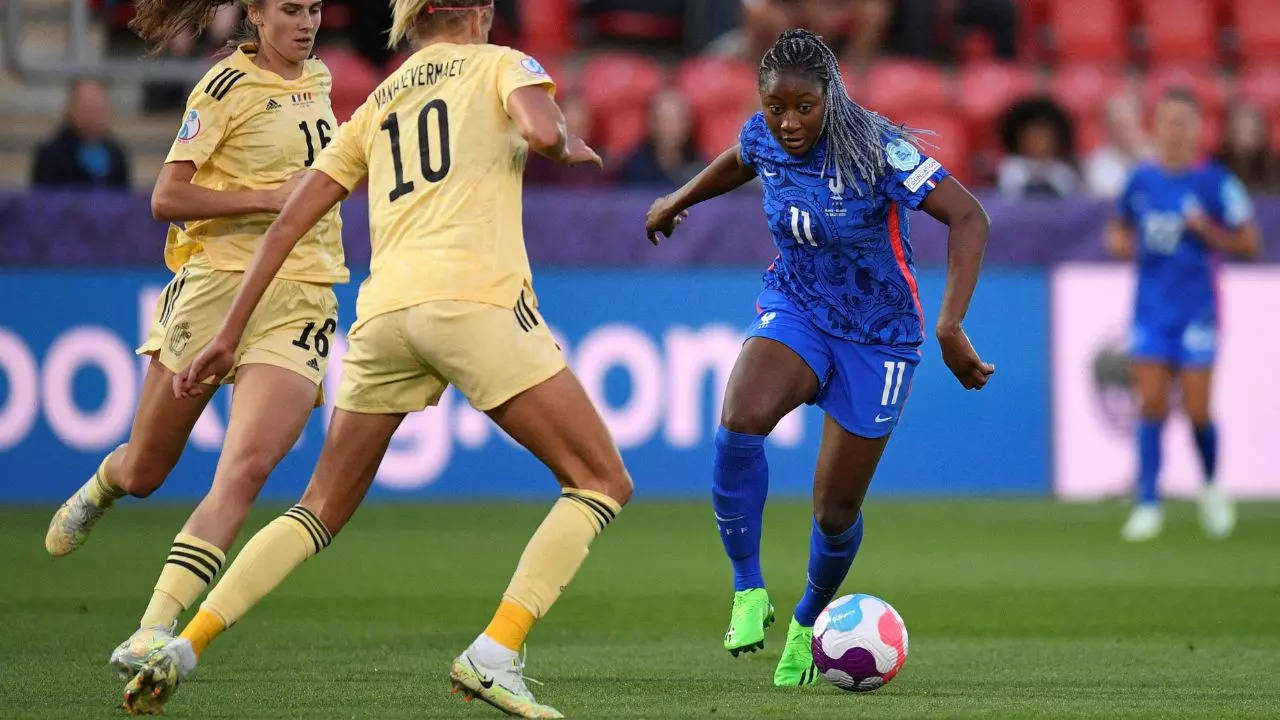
(462, 36)
(1177, 163)
(271, 61)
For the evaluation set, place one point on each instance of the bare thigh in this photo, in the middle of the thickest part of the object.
(1197, 392)
(270, 408)
(1151, 381)
(556, 421)
(846, 464)
(348, 462)
(161, 425)
(768, 381)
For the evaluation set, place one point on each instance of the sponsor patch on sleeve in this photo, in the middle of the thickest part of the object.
(190, 127)
(533, 66)
(917, 179)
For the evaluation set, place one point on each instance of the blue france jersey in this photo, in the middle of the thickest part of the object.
(844, 258)
(1175, 268)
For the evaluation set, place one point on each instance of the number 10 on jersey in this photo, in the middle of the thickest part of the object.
(430, 171)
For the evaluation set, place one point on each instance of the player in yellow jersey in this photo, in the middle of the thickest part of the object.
(252, 124)
(450, 300)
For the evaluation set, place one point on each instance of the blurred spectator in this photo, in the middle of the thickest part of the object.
(669, 157)
(82, 152)
(649, 21)
(1039, 138)
(868, 23)
(921, 28)
(543, 171)
(1106, 170)
(1244, 148)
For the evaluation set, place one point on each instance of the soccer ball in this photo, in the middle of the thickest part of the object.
(859, 642)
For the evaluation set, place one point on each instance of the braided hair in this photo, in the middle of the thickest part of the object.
(855, 135)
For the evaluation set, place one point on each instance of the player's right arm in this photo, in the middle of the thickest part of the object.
(207, 121)
(725, 173)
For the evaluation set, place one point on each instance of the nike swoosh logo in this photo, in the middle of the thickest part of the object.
(768, 174)
(727, 519)
(485, 682)
(883, 419)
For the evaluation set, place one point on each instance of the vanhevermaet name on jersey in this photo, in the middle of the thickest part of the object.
(420, 75)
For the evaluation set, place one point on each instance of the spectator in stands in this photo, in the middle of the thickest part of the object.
(82, 151)
(1244, 148)
(1039, 138)
(668, 157)
(1106, 170)
(868, 23)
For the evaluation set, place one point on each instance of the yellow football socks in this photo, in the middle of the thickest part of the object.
(191, 566)
(266, 560)
(202, 629)
(99, 489)
(550, 560)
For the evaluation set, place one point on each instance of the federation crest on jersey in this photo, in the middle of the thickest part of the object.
(533, 66)
(190, 127)
(179, 337)
(902, 154)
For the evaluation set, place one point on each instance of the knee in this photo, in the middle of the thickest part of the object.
(1153, 408)
(613, 481)
(140, 475)
(835, 518)
(750, 417)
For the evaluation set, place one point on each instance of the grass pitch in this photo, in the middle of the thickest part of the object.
(1014, 609)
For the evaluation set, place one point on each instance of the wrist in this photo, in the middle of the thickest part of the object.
(945, 329)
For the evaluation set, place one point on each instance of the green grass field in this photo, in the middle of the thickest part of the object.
(1015, 609)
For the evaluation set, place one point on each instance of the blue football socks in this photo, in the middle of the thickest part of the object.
(1149, 460)
(830, 557)
(1207, 444)
(740, 485)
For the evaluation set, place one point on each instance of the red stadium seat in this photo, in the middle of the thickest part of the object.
(951, 136)
(547, 26)
(1258, 26)
(984, 91)
(714, 83)
(618, 87)
(1202, 81)
(620, 132)
(1084, 88)
(895, 87)
(718, 132)
(1088, 30)
(1260, 84)
(1179, 30)
(353, 79)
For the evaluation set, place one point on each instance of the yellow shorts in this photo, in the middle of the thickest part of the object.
(290, 329)
(402, 361)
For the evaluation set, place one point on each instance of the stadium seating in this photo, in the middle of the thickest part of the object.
(547, 26)
(895, 87)
(618, 87)
(711, 83)
(1179, 30)
(1257, 25)
(353, 79)
(1083, 88)
(1260, 84)
(1201, 80)
(986, 90)
(951, 136)
(1088, 30)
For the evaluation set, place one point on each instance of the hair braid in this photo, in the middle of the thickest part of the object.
(855, 135)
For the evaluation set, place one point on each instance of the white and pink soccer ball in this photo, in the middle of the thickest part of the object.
(859, 642)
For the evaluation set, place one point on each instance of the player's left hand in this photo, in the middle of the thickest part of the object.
(963, 360)
(213, 363)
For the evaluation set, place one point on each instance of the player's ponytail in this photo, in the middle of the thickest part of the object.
(158, 22)
(855, 135)
(408, 15)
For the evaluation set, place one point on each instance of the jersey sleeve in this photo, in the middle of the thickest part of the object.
(517, 70)
(910, 175)
(1236, 209)
(747, 141)
(204, 123)
(345, 159)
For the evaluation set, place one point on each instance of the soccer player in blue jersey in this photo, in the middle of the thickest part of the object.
(839, 322)
(1176, 215)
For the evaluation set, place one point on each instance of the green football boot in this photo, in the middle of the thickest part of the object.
(795, 667)
(752, 613)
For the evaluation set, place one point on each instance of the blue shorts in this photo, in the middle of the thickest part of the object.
(862, 387)
(1193, 344)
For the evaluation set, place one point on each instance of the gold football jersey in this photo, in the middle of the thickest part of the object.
(445, 165)
(246, 128)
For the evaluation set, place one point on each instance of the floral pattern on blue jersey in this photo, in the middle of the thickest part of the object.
(1176, 283)
(836, 261)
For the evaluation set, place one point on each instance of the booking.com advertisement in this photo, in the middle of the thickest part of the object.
(653, 348)
(1094, 409)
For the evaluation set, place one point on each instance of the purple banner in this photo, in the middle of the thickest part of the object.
(564, 227)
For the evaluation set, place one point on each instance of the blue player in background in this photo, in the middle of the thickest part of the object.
(1176, 215)
(839, 322)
